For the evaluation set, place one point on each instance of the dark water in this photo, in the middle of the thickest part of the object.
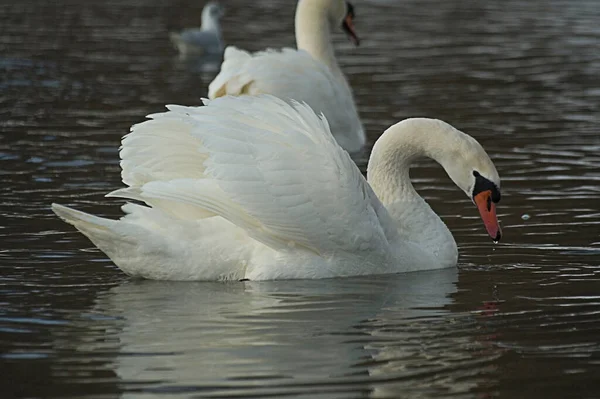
(517, 320)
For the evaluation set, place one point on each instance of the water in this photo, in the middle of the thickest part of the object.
(517, 319)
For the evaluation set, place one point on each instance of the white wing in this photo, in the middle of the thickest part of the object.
(270, 72)
(292, 74)
(268, 167)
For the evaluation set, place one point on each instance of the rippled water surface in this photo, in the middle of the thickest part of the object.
(517, 320)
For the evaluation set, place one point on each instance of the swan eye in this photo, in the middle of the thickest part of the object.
(483, 184)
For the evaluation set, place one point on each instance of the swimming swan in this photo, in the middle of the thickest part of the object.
(255, 188)
(310, 74)
(204, 40)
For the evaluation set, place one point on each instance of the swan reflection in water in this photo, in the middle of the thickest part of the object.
(272, 336)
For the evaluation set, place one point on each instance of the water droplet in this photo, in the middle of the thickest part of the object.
(525, 216)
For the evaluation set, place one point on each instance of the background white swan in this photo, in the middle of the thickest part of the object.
(204, 40)
(310, 74)
(252, 187)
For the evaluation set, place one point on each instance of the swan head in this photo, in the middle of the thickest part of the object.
(340, 13)
(463, 158)
(348, 24)
(471, 169)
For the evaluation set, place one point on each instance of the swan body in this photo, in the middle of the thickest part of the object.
(309, 74)
(204, 40)
(255, 188)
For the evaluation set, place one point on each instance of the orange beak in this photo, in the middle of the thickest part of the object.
(487, 210)
(348, 27)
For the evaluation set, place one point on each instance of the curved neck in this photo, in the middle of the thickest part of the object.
(389, 165)
(388, 175)
(400, 145)
(313, 33)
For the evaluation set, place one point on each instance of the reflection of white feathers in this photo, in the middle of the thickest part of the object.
(310, 74)
(262, 337)
(204, 40)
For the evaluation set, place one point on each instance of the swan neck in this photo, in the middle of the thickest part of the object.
(388, 175)
(389, 166)
(388, 169)
(313, 33)
(403, 143)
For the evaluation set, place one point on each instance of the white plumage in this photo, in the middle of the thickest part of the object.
(310, 74)
(253, 187)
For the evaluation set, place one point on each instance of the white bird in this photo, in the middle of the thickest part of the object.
(254, 188)
(204, 40)
(309, 74)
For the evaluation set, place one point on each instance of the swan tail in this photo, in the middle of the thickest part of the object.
(84, 222)
(230, 81)
(144, 243)
(103, 233)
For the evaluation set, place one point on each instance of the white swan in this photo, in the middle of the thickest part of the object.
(204, 40)
(252, 187)
(310, 74)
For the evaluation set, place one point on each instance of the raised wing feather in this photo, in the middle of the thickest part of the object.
(276, 171)
(161, 149)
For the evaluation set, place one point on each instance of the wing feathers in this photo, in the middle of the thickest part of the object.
(269, 167)
(160, 149)
(206, 195)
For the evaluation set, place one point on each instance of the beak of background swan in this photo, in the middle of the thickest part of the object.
(487, 210)
(348, 25)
